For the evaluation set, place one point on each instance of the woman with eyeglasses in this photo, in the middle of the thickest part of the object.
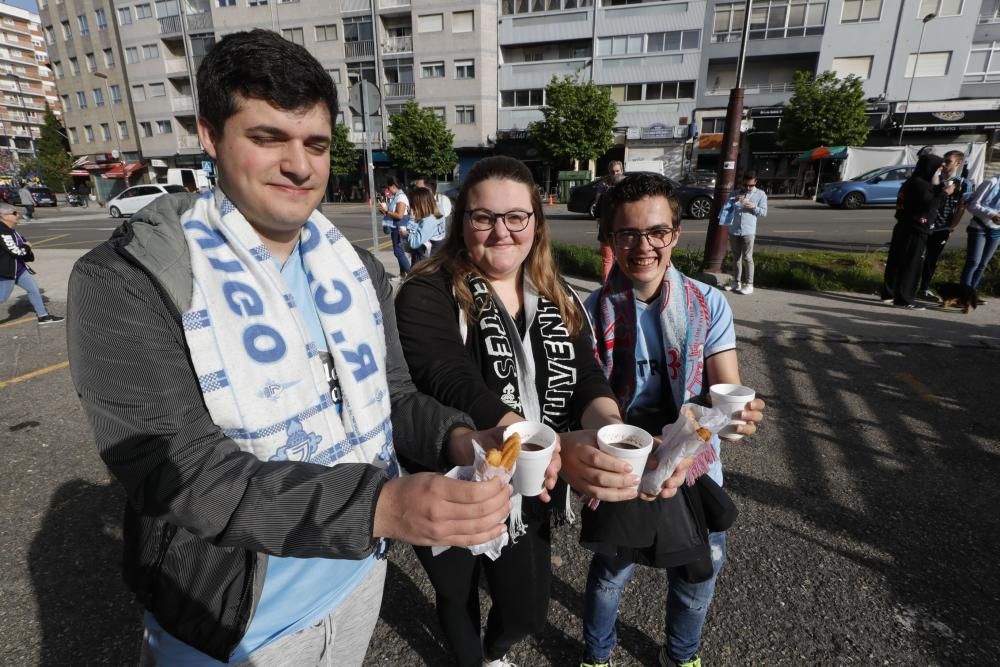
(488, 327)
(662, 339)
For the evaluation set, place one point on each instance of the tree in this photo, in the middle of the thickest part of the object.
(578, 121)
(824, 111)
(343, 156)
(421, 142)
(8, 163)
(54, 158)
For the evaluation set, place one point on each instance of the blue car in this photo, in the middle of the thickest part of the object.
(878, 186)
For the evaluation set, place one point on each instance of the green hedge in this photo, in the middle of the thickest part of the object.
(820, 270)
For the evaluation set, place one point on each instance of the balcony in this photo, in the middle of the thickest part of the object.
(365, 49)
(393, 4)
(986, 20)
(399, 89)
(359, 138)
(182, 104)
(393, 45)
(347, 6)
(170, 25)
(188, 141)
(753, 89)
(200, 22)
(538, 74)
(175, 66)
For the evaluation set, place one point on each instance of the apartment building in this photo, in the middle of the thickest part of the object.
(86, 61)
(26, 86)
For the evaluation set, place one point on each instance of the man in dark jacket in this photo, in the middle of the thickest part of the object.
(15, 253)
(949, 214)
(239, 362)
(916, 207)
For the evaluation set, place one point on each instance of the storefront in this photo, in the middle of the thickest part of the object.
(954, 121)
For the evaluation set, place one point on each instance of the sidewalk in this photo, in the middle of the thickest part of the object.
(766, 314)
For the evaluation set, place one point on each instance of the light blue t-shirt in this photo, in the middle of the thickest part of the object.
(297, 591)
(654, 366)
(744, 219)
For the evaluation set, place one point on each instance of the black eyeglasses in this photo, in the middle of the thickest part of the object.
(657, 237)
(483, 219)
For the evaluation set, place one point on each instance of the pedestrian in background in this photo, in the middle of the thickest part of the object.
(983, 231)
(27, 201)
(425, 223)
(443, 203)
(616, 172)
(946, 220)
(396, 214)
(740, 214)
(15, 253)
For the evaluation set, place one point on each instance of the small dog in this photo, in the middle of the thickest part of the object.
(960, 296)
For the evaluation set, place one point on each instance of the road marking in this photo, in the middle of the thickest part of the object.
(877, 231)
(46, 240)
(34, 374)
(23, 320)
(795, 231)
(916, 385)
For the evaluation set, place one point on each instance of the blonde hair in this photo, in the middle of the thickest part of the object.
(422, 203)
(539, 266)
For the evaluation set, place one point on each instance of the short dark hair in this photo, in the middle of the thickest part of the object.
(959, 154)
(633, 188)
(749, 176)
(393, 182)
(261, 65)
(430, 183)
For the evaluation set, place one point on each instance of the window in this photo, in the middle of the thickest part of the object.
(655, 91)
(675, 40)
(105, 131)
(462, 22)
(334, 75)
(143, 11)
(439, 112)
(940, 7)
(122, 129)
(58, 69)
(465, 69)
(67, 33)
(859, 66)
(91, 62)
(713, 125)
(358, 71)
(116, 94)
(73, 136)
(146, 128)
(465, 114)
(109, 57)
(88, 130)
(256, 3)
(534, 97)
(434, 70)
(860, 11)
(357, 29)
(771, 19)
(65, 103)
(164, 127)
(430, 23)
(326, 33)
(50, 35)
(294, 35)
(934, 63)
(124, 16)
(131, 54)
(74, 66)
(621, 45)
(139, 93)
(225, 3)
(101, 19)
(150, 51)
(81, 21)
(98, 97)
(984, 63)
(157, 90)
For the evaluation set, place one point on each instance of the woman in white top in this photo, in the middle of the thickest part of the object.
(396, 214)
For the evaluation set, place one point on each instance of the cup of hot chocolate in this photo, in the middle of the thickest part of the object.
(538, 443)
(629, 443)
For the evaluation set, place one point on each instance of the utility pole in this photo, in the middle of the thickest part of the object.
(725, 178)
(913, 75)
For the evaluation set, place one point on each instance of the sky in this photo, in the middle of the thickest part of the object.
(30, 5)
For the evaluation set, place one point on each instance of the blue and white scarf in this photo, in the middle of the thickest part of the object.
(260, 372)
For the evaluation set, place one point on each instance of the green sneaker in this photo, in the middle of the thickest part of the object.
(667, 661)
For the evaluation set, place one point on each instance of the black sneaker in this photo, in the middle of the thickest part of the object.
(50, 319)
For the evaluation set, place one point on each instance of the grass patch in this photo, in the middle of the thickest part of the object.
(819, 270)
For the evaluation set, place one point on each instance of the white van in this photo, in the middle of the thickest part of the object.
(191, 180)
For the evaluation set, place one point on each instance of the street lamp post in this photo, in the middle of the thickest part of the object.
(114, 125)
(913, 75)
(24, 110)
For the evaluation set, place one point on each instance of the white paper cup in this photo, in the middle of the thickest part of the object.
(636, 448)
(529, 474)
(731, 399)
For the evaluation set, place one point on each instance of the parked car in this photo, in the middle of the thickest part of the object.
(129, 201)
(696, 201)
(878, 186)
(8, 194)
(42, 196)
(704, 178)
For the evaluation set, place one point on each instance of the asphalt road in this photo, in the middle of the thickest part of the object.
(791, 225)
(868, 532)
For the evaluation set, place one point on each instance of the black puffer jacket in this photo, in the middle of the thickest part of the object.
(919, 198)
(202, 515)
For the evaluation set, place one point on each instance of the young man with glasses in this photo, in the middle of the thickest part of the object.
(741, 212)
(663, 339)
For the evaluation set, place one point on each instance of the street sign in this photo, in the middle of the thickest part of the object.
(374, 97)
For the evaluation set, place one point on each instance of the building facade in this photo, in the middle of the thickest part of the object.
(26, 86)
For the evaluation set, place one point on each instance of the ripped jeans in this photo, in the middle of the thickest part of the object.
(687, 605)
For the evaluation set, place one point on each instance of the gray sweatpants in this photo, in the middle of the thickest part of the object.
(340, 639)
(742, 247)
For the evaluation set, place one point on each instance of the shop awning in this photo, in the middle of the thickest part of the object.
(79, 172)
(710, 142)
(835, 152)
(130, 168)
